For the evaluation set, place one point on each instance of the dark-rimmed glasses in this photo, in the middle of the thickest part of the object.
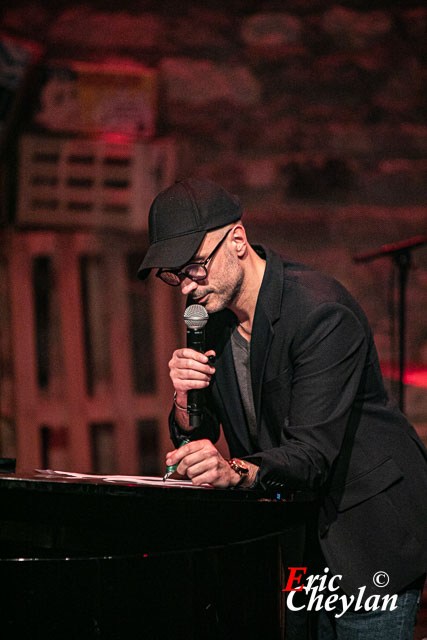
(193, 270)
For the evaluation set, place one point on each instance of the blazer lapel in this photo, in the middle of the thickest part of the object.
(262, 336)
(267, 312)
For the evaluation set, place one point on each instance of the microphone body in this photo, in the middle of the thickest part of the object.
(195, 317)
(196, 341)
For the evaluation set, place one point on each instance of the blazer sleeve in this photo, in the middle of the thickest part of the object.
(329, 353)
(209, 429)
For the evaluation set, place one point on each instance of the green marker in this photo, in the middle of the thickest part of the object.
(172, 469)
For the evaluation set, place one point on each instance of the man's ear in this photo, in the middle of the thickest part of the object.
(239, 240)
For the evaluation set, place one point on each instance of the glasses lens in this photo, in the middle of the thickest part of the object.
(170, 278)
(195, 271)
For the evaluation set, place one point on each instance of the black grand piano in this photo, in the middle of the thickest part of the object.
(90, 558)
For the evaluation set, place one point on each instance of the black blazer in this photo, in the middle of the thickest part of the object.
(325, 424)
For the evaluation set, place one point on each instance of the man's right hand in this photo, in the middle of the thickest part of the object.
(189, 369)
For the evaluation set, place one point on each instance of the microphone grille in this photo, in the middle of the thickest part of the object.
(195, 316)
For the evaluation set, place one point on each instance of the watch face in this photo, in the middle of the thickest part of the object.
(239, 466)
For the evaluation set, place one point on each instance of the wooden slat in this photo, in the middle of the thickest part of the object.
(28, 451)
(122, 397)
(71, 321)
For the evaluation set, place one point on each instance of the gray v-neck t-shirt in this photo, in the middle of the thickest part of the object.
(241, 349)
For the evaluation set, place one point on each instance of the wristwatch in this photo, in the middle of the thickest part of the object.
(239, 467)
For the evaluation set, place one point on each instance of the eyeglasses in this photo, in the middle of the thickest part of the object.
(193, 270)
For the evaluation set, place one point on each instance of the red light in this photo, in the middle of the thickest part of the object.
(111, 137)
(415, 374)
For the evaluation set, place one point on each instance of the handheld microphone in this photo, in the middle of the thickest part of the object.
(195, 317)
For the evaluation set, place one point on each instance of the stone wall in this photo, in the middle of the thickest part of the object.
(314, 113)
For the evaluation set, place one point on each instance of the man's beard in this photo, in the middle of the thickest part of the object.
(222, 296)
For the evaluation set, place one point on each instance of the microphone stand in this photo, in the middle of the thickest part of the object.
(400, 253)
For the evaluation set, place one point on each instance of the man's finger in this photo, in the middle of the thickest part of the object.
(175, 456)
(196, 468)
(191, 354)
(191, 374)
(186, 364)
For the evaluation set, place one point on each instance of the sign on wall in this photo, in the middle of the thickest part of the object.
(89, 98)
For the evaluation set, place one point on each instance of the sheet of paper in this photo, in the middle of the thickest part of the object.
(152, 481)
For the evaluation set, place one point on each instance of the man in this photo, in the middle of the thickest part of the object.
(298, 391)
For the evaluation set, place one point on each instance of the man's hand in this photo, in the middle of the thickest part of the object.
(202, 463)
(189, 369)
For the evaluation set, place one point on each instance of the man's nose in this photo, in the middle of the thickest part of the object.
(187, 286)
